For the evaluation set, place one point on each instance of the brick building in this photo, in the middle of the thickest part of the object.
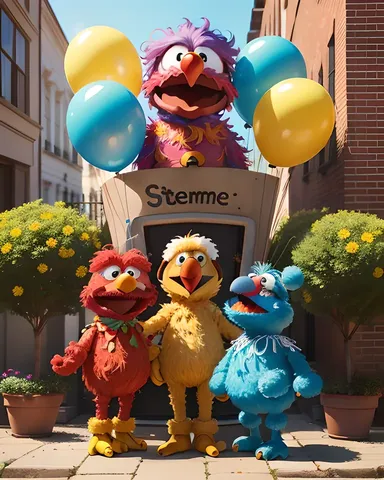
(342, 42)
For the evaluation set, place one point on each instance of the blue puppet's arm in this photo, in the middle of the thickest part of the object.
(307, 383)
(217, 382)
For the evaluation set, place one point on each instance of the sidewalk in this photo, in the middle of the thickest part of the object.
(312, 454)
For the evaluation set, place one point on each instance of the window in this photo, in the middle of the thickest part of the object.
(6, 181)
(13, 65)
(47, 116)
(321, 81)
(65, 194)
(331, 67)
(58, 192)
(74, 156)
(57, 127)
(46, 190)
(332, 145)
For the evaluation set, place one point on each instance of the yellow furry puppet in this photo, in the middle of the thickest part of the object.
(192, 345)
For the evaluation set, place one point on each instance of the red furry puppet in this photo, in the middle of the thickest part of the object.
(112, 351)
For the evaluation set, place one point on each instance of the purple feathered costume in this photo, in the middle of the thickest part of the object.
(189, 82)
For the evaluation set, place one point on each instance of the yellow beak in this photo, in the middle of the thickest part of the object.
(124, 283)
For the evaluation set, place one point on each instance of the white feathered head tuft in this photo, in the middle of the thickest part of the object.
(190, 243)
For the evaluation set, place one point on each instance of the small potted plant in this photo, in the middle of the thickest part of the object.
(44, 255)
(22, 396)
(342, 259)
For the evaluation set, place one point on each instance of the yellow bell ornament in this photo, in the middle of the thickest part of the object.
(102, 53)
(293, 122)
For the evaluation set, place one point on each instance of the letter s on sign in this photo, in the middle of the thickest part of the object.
(154, 195)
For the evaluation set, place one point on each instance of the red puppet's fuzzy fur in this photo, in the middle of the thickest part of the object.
(115, 359)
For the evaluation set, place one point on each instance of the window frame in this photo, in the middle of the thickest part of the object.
(329, 153)
(15, 68)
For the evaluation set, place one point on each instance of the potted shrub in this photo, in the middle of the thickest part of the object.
(342, 259)
(44, 254)
(22, 396)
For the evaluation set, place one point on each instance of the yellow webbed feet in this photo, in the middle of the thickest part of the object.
(175, 444)
(180, 440)
(101, 444)
(204, 440)
(124, 435)
(101, 441)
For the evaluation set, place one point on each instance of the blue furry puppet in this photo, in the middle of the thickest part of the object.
(262, 370)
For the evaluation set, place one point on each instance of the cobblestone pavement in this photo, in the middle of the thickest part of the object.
(312, 454)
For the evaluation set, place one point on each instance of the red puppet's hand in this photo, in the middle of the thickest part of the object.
(61, 366)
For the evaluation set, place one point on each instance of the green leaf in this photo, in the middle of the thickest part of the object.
(124, 329)
(133, 341)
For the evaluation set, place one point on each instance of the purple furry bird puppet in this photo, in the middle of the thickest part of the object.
(188, 80)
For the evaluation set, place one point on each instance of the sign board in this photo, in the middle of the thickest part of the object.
(191, 193)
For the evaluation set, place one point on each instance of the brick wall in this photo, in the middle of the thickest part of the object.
(364, 161)
(355, 180)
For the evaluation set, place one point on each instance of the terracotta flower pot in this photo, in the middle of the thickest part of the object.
(32, 416)
(349, 417)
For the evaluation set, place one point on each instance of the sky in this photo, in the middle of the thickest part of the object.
(137, 19)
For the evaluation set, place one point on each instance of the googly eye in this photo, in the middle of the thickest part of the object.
(172, 57)
(111, 272)
(133, 272)
(211, 59)
(181, 258)
(252, 275)
(201, 258)
(268, 281)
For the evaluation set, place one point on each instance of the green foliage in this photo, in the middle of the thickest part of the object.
(290, 233)
(44, 257)
(22, 386)
(359, 386)
(342, 259)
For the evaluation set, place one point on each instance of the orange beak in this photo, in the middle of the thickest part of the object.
(124, 283)
(190, 274)
(192, 66)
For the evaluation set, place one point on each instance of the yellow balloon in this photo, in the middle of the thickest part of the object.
(102, 53)
(293, 122)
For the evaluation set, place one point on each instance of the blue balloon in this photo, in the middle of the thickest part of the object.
(106, 125)
(261, 64)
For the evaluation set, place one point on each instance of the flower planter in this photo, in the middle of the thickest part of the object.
(349, 417)
(32, 416)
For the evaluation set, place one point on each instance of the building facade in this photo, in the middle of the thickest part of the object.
(19, 102)
(342, 42)
(61, 176)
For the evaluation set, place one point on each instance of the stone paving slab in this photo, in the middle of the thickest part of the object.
(119, 464)
(235, 465)
(46, 461)
(9, 453)
(97, 477)
(171, 468)
(237, 476)
(312, 454)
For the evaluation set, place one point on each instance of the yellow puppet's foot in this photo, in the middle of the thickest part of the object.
(102, 444)
(97, 426)
(124, 438)
(180, 440)
(101, 441)
(156, 376)
(204, 441)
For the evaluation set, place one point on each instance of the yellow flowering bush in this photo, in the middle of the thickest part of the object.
(290, 233)
(43, 261)
(342, 259)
